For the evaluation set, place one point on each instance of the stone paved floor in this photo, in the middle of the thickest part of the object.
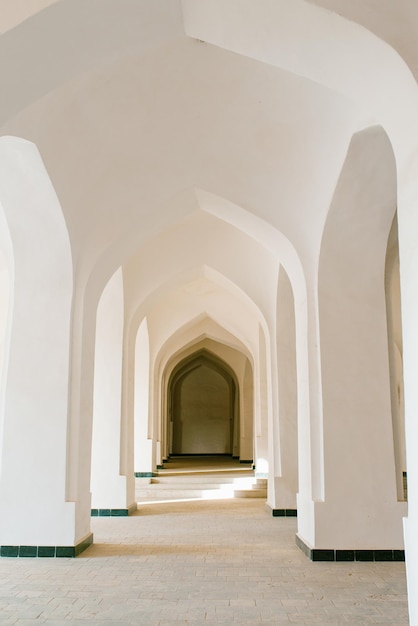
(199, 563)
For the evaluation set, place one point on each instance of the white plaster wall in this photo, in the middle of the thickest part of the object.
(395, 349)
(262, 407)
(79, 435)
(34, 421)
(247, 425)
(13, 13)
(360, 508)
(4, 313)
(108, 485)
(275, 32)
(392, 22)
(143, 441)
(106, 30)
(408, 227)
(286, 474)
(7, 309)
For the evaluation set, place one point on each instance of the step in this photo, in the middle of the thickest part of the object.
(205, 481)
(184, 494)
(250, 493)
(163, 494)
(260, 483)
(186, 488)
(200, 484)
(212, 477)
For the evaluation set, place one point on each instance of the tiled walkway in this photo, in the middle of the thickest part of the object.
(218, 562)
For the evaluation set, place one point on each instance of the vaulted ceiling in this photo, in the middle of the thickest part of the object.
(136, 104)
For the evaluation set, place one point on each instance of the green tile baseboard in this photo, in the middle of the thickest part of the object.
(114, 512)
(281, 512)
(46, 551)
(316, 554)
(284, 512)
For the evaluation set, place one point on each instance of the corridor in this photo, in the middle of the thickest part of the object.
(199, 563)
(208, 246)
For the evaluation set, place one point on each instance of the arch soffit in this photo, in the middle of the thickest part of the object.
(21, 168)
(204, 325)
(354, 68)
(251, 32)
(182, 206)
(14, 13)
(363, 141)
(211, 276)
(221, 211)
(167, 260)
(261, 232)
(392, 250)
(106, 30)
(391, 23)
(275, 242)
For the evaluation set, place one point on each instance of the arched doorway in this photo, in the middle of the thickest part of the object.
(203, 406)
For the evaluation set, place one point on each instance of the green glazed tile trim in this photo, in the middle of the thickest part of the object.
(114, 512)
(46, 551)
(316, 554)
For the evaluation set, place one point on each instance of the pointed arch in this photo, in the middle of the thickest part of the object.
(203, 405)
